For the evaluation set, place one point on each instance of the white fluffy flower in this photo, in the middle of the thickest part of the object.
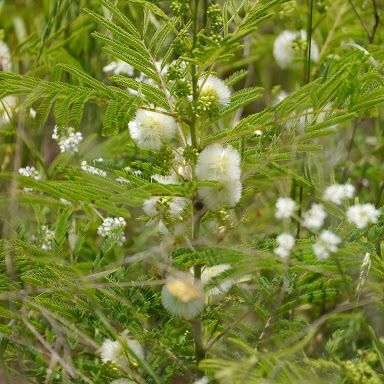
(362, 214)
(92, 170)
(285, 243)
(7, 108)
(118, 67)
(120, 351)
(336, 193)
(221, 164)
(216, 90)
(218, 163)
(227, 194)
(5, 57)
(68, 140)
(122, 381)
(47, 237)
(150, 130)
(314, 217)
(174, 206)
(285, 207)
(284, 51)
(326, 244)
(183, 296)
(113, 227)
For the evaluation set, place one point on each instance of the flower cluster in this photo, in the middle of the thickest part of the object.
(151, 130)
(68, 140)
(314, 217)
(30, 171)
(362, 214)
(92, 170)
(183, 296)
(336, 193)
(285, 243)
(289, 46)
(285, 208)
(220, 164)
(213, 94)
(326, 244)
(113, 227)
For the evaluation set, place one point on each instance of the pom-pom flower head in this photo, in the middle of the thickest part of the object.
(215, 91)
(285, 207)
(285, 243)
(226, 194)
(314, 217)
(221, 164)
(336, 193)
(150, 130)
(183, 296)
(326, 244)
(218, 163)
(121, 352)
(284, 47)
(363, 214)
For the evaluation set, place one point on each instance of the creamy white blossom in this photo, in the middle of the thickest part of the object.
(284, 48)
(92, 170)
(113, 227)
(150, 130)
(217, 197)
(336, 193)
(314, 217)
(285, 207)
(362, 214)
(221, 164)
(285, 242)
(68, 140)
(215, 89)
(218, 163)
(183, 296)
(118, 67)
(5, 57)
(121, 351)
(326, 244)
